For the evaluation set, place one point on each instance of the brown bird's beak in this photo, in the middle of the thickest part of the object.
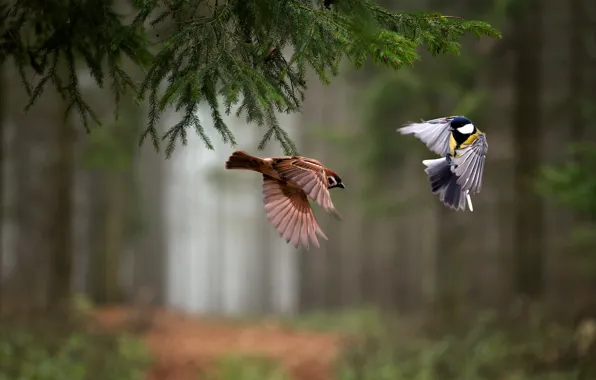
(341, 185)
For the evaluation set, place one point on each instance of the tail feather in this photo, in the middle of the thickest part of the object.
(469, 199)
(444, 182)
(240, 160)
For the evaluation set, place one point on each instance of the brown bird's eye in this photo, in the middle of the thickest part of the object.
(331, 181)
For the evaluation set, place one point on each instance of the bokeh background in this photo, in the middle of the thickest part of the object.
(173, 264)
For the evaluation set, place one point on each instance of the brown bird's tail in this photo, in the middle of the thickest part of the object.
(241, 160)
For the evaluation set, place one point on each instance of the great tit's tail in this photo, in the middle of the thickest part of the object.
(444, 182)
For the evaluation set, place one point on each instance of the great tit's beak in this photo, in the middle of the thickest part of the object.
(341, 185)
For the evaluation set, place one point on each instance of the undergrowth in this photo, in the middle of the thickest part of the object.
(525, 345)
(55, 349)
(240, 367)
(488, 349)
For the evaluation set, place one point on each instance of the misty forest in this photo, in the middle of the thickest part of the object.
(128, 251)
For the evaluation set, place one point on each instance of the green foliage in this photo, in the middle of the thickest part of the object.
(112, 148)
(239, 367)
(573, 183)
(36, 353)
(486, 350)
(357, 321)
(227, 54)
(520, 344)
(240, 60)
(107, 151)
(54, 40)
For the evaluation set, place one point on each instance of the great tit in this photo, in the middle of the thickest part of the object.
(463, 149)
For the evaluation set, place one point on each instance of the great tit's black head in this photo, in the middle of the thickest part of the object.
(462, 125)
(334, 180)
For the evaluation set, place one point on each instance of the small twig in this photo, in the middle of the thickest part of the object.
(444, 16)
(200, 18)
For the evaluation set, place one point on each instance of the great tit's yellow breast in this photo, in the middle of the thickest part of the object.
(452, 144)
(470, 140)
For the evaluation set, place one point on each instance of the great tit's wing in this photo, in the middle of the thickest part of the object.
(469, 164)
(434, 133)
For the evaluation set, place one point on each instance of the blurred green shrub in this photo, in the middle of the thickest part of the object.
(52, 351)
(489, 349)
(573, 183)
(519, 344)
(240, 367)
(365, 320)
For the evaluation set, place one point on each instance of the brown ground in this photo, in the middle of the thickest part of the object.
(182, 345)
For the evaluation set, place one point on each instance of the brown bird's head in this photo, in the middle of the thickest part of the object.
(333, 179)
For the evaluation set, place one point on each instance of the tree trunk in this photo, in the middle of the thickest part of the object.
(115, 199)
(2, 165)
(108, 226)
(448, 274)
(150, 262)
(115, 225)
(576, 69)
(43, 184)
(527, 147)
(61, 255)
(97, 232)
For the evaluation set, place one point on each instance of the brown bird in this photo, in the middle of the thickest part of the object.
(287, 181)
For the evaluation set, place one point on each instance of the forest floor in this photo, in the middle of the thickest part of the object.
(185, 346)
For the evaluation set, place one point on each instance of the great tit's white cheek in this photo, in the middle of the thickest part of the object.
(466, 129)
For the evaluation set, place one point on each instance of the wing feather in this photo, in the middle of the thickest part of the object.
(286, 226)
(289, 211)
(469, 163)
(434, 133)
(296, 226)
(291, 220)
(304, 232)
(309, 175)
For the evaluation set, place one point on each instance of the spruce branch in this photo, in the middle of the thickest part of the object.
(60, 37)
(225, 54)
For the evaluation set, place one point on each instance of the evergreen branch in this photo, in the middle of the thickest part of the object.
(243, 31)
(73, 90)
(178, 131)
(209, 90)
(151, 129)
(20, 64)
(120, 81)
(65, 34)
(225, 54)
(288, 146)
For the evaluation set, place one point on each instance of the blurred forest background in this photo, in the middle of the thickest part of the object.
(505, 292)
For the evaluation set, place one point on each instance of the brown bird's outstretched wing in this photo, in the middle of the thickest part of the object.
(289, 211)
(309, 175)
